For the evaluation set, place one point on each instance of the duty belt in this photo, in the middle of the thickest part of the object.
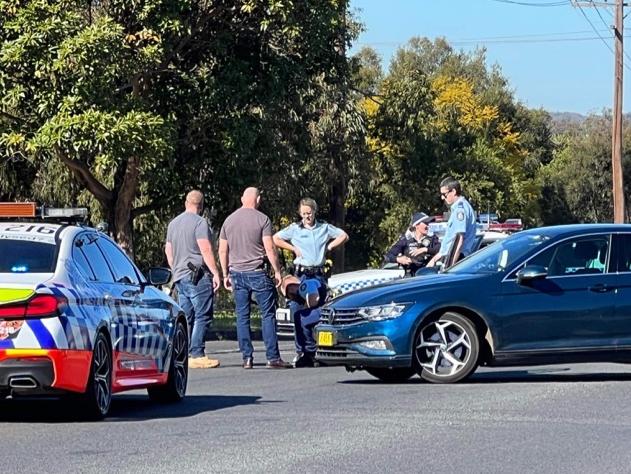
(309, 271)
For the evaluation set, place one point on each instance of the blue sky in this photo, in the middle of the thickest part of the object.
(541, 50)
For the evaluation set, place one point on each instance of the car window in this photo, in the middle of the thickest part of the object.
(80, 260)
(622, 256)
(124, 270)
(498, 257)
(577, 256)
(23, 256)
(97, 262)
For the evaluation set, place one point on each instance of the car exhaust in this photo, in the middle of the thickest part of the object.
(22, 382)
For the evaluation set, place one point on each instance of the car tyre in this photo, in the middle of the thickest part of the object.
(446, 350)
(96, 400)
(392, 375)
(174, 389)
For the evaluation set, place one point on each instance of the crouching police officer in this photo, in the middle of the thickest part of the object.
(415, 248)
(309, 240)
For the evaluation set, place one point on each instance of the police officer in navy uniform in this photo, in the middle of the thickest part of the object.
(414, 248)
(461, 222)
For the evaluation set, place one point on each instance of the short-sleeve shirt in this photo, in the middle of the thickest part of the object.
(461, 221)
(244, 230)
(311, 242)
(183, 233)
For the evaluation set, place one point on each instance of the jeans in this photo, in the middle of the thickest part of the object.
(306, 319)
(197, 303)
(261, 286)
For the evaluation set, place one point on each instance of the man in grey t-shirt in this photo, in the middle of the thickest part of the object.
(244, 242)
(188, 243)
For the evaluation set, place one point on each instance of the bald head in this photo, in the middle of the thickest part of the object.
(251, 197)
(194, 201)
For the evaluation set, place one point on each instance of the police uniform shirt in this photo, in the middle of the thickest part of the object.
(311, 242)
(461, 221)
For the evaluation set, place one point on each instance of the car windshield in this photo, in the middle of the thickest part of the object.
(23, 256)
(499, 256)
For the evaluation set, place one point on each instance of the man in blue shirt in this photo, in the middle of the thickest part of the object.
(461, 222)
(309, 240)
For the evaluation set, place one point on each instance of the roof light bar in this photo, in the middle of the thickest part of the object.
(17, 209)
(30, 209)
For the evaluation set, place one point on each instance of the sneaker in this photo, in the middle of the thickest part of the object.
(202, 363)
(278, 364)
(248, 363)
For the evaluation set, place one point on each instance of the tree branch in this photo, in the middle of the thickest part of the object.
(81, 171)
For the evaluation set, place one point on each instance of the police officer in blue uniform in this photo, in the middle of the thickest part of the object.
(309, 240)
(415, 247)
(461, 222)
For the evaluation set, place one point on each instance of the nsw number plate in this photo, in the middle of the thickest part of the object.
(325, 338)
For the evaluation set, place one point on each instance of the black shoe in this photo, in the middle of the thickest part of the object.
(248, 363)
(304, 360)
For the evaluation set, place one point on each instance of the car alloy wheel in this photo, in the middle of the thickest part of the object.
(174, 389)
(97, 398)
(446, 350)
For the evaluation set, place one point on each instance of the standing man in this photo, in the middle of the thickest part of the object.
(415, 248)
(245, 241)
(461, 222)
(309, 240)
(190, 255)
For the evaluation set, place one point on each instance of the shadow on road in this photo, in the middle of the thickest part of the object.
(124, 408)
(558, 375)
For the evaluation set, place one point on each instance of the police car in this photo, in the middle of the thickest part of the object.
(78, 319)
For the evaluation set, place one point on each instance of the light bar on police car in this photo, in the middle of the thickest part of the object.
(30, 209)
(17, 209)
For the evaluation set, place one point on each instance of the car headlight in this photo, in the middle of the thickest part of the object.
(381, 312)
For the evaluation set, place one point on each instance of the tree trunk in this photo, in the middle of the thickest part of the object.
(122, 212)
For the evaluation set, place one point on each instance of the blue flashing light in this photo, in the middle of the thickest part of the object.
(19, 269)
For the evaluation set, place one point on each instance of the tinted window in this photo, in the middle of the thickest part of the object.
(97, 261)
(22, 256)
(124, 271)
(578, 256)
(80, 260)
(623, 254)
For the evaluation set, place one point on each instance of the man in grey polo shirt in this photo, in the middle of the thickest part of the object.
(188, 242)
(309, 240)
(244, 242)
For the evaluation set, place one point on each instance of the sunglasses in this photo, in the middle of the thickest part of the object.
(444, 195)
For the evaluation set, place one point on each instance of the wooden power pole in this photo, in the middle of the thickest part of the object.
(616, 135)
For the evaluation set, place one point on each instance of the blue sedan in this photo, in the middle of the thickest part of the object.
(544, 296)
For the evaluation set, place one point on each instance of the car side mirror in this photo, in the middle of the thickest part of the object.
(530, 273)
(159, 276)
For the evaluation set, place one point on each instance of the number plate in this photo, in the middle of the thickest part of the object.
(325, 338)
(283, 314)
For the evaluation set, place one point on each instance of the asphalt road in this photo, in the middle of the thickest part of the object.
(566, 418)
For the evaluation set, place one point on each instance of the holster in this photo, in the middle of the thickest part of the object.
(197, 272)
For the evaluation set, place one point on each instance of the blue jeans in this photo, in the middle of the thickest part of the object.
(261, 286)
(197, 303)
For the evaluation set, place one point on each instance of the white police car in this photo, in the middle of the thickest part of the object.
(78, 318)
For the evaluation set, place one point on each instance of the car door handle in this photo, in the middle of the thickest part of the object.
(600, 288)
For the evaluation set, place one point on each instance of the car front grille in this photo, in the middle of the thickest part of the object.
(340, 316)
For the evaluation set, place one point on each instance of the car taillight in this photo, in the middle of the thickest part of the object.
(38, 306)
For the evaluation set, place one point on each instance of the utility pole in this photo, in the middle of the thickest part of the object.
(616, 131)
(616, 135)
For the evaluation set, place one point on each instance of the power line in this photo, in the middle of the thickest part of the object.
(593, 27)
